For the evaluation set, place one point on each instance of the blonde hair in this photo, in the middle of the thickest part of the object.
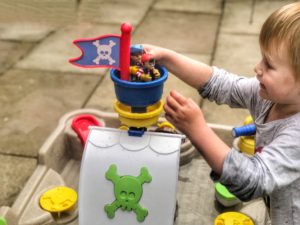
(283, 27)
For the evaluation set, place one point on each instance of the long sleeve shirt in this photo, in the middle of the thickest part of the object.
(274, 170)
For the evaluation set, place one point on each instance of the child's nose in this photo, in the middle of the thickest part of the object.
(258, 69)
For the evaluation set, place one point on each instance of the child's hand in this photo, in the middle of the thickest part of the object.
(183, 113)
(156, 51)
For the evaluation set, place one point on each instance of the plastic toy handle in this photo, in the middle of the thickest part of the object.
(244, 130)
(125, 50)
(81, 123)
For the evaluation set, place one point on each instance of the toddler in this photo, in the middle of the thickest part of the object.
(273, 99)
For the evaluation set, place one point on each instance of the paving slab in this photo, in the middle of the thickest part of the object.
(223, 114)
(31, 103)
(195, 201)
(263, 9)
(104, 96)
(259, 1)
(53, 53)
(244, 17)
(24, 31)
(183, 32)
(11, 52)
(57, 12)
(237, 17)
(203, 6)
(113, 12)
(237, 53)
(14, 172)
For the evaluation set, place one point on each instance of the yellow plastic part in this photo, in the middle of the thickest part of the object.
(248, 120)
(233, 218)
(59, 199)
(123, 127)
(138, 119)
(247, 145)
(166, 124)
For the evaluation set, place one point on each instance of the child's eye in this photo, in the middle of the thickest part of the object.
(267, 64)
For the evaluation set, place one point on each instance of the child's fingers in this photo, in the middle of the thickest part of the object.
(172, 103)
(147, 49)
(168, 109)
(170, 119)
(178, 97)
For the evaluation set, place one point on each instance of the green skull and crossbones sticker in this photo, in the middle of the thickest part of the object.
(128, 191)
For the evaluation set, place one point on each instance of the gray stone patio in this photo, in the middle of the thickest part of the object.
(38, 85)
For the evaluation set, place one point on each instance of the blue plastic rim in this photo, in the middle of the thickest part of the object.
(139, 94)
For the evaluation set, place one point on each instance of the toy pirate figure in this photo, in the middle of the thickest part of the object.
(136, 66)
(150, 72)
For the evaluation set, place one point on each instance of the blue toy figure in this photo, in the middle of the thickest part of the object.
(136, 66)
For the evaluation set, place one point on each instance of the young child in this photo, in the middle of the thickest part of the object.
(273, 99)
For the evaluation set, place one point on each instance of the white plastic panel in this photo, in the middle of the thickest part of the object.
(132, 143)
(95, 191)
(160, 146)
(105, 138)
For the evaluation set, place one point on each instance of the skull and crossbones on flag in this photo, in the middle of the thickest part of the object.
(98, 52)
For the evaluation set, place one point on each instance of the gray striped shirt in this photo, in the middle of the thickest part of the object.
(275, 169)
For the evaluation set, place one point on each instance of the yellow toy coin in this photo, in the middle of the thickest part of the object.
(58, 199)
(233, 218)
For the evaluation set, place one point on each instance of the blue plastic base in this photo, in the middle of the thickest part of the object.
(137, 132)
